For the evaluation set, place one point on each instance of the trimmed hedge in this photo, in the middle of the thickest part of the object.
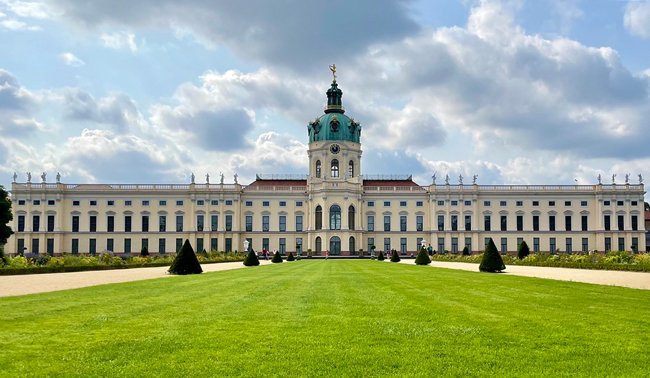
(423, 257)
(492, 261)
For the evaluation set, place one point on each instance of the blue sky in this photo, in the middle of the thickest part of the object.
(533, 92)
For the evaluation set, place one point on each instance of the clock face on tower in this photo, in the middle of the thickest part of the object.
(335, 148)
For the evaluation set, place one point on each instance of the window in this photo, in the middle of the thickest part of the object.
(402, 223)
(351, 245)
(351, 215)
(504, 223)
(92, 246)
(179, 244)
(22, 202)
(161, 246)
(441, 222)
(127, 223)
(371, 243)
(535, 203)
(371, 223)
(519, 203)
(386, 244)
(228, 202)
(386, 222)
(635, 222)
(567, 222)
(619, 203)
(74, 203)
(200, 203)
(127, 203)
(585, 244)
(110, 245)
(110, 223)
(536, 245)
(283, 203)
(351, 171)
(318, 168)
(486, 203)
(468, 203)
(441, 203)
(319, 218)
(504, 246)
(635, 244)
(503, 203)
(402, 246)
(179, 203)
(454, 222)
(145, 244)
(319, 244)
(551, 222)
(634, 203)
(92, 222)
(50, 202)
(419, 203)
(145, 203)
(621, 224)
(606, 203)
(486, 223)
(145, 223)
(200, 224)
(214, 222)
(298, 203)
(249, 223)
(520, 222)
(583, 203)
(228, 222)
(535, 222)
(228, 244)
(214, 244)
(283, 223)
(92, 203)
(419, 222)
(386, 203)
(552, 247)
(110, 203)
(21, 223)
(621, 244)
(199, 245)
(335, 217)
(265, 223)
(127, 246)
(299, 223)
(468, 244)
(50, 223)
(441, 245)
(162, 203)
(162, 223)
(75, 247)
(607, 222)
(567, 203)
(569, 245)
(283, 246)
(584, 223)
(266, 203)
(454, 245)
(335, 168)
(371, 203)
(608, 244)
(179, 223)
(38, 202)
(75, 223)
(402, 203)
(214, 202)
(454, 203)
(35, 246)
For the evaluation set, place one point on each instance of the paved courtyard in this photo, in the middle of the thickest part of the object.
(40, 283)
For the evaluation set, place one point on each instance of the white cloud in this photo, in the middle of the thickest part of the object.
(28, 9)
(71, 60)
(15, 25)
(119, 40)
(637, 18)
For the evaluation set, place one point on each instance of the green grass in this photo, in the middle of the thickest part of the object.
(329, 318)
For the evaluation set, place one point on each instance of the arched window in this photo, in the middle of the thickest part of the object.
(351, 169)
(319, 246)
(319, 217)
(335, 217)
(352, 245)
(351, 214)
(318, 168)
(335, 168)
(335, 246)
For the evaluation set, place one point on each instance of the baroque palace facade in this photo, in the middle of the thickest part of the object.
(334, 208)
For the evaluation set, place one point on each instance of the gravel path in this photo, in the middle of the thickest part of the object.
(40, 283)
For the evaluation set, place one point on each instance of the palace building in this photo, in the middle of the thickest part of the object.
(333, 208)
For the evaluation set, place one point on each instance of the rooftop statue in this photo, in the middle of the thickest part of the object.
(333, 69)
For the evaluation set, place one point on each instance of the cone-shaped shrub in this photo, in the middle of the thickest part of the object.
(277, 258)
(423, 257)
(466, 251)
(523, 250)
(251, 259)
(186, 261)
(290, 257)
(381, 257)
(394, 257)
(492, 261)
(144, 252)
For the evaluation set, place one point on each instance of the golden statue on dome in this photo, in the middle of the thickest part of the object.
(333, 69)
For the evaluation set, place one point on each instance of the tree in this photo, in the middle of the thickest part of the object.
(185, 261)
(251, 259)
(423, 257)
(5, 216)
(523, 250)
(394, 256)
(290, 257)
(380, 257)
(277, 258)
(144, 252)
(492, 261)
(466, 251)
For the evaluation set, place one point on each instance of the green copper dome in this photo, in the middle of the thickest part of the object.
(334, 124)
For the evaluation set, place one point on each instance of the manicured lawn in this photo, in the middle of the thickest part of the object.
(329, 318)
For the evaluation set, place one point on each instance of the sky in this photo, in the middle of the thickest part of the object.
(151, 91)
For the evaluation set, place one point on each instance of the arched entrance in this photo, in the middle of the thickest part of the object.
(335, 246)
